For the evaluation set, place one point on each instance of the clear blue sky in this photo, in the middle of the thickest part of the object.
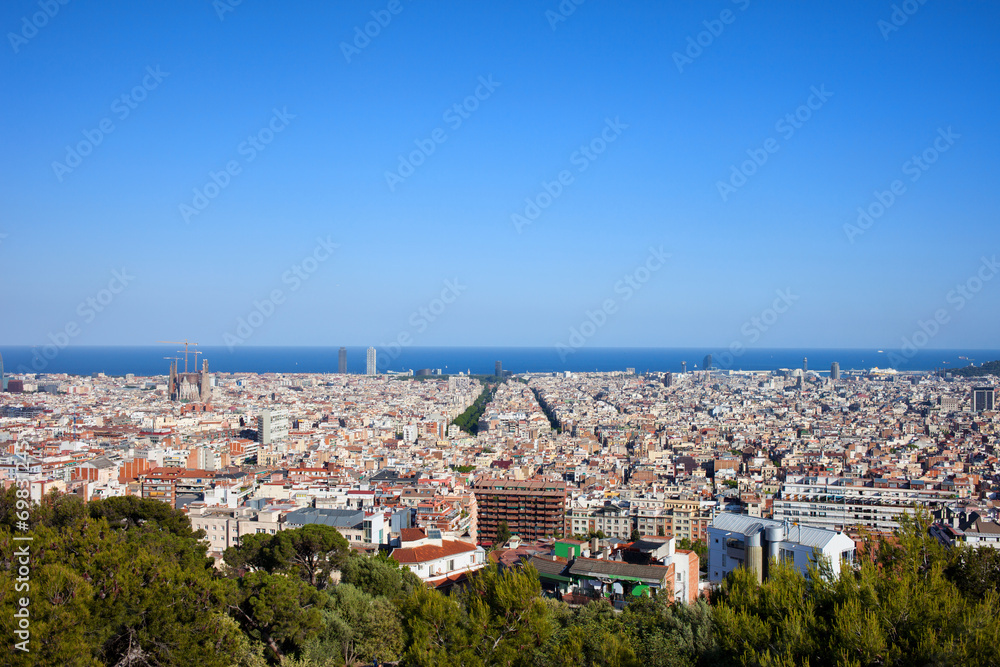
(656, 184)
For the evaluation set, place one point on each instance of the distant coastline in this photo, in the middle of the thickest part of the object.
(148, 360)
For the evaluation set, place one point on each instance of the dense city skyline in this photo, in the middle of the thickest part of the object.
(548, 332)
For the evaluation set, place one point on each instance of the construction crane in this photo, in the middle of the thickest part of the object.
(195, 353)
(185, 344)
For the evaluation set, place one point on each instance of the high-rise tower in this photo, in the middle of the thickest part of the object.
(835, 371)
(805, 364)
(371, 361)
(205, 383)
(983, 399)
(342, 361)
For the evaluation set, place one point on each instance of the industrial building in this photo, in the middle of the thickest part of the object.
(738, 540)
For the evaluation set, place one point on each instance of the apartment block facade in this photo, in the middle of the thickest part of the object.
(532, 509)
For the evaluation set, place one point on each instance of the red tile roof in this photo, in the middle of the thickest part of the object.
(412, 534)
(430, 552)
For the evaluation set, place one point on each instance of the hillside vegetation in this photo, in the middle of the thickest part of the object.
(125, 581)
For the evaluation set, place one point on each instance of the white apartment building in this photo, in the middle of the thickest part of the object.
(272, 426)
(841, 503)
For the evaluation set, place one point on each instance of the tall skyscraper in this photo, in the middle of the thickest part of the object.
(684, 367)
(706, 364)
(835, 371)
(805, 364)
(668, 379)
(371, 361)
(3, 377)
(342, 361)
(983, 399)
(498, 369)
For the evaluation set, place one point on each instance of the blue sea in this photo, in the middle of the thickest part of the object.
(149, 361)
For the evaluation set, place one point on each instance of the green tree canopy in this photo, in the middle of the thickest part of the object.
(379, 576)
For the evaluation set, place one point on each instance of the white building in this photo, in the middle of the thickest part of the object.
(371, 362)
(737, 540)
(837, 502)
(272, 426)
(435, 560)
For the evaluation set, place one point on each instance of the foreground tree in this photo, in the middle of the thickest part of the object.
(136, 592)
(436, 631)
(311, 553)
(379, 576)
(506, 614)
(503, 534)
(357, 626)
(279, 610)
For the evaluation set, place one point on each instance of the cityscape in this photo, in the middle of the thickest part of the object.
(546, 333)
(610, 485)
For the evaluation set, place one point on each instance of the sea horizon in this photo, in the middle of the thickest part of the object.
(149, 361)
